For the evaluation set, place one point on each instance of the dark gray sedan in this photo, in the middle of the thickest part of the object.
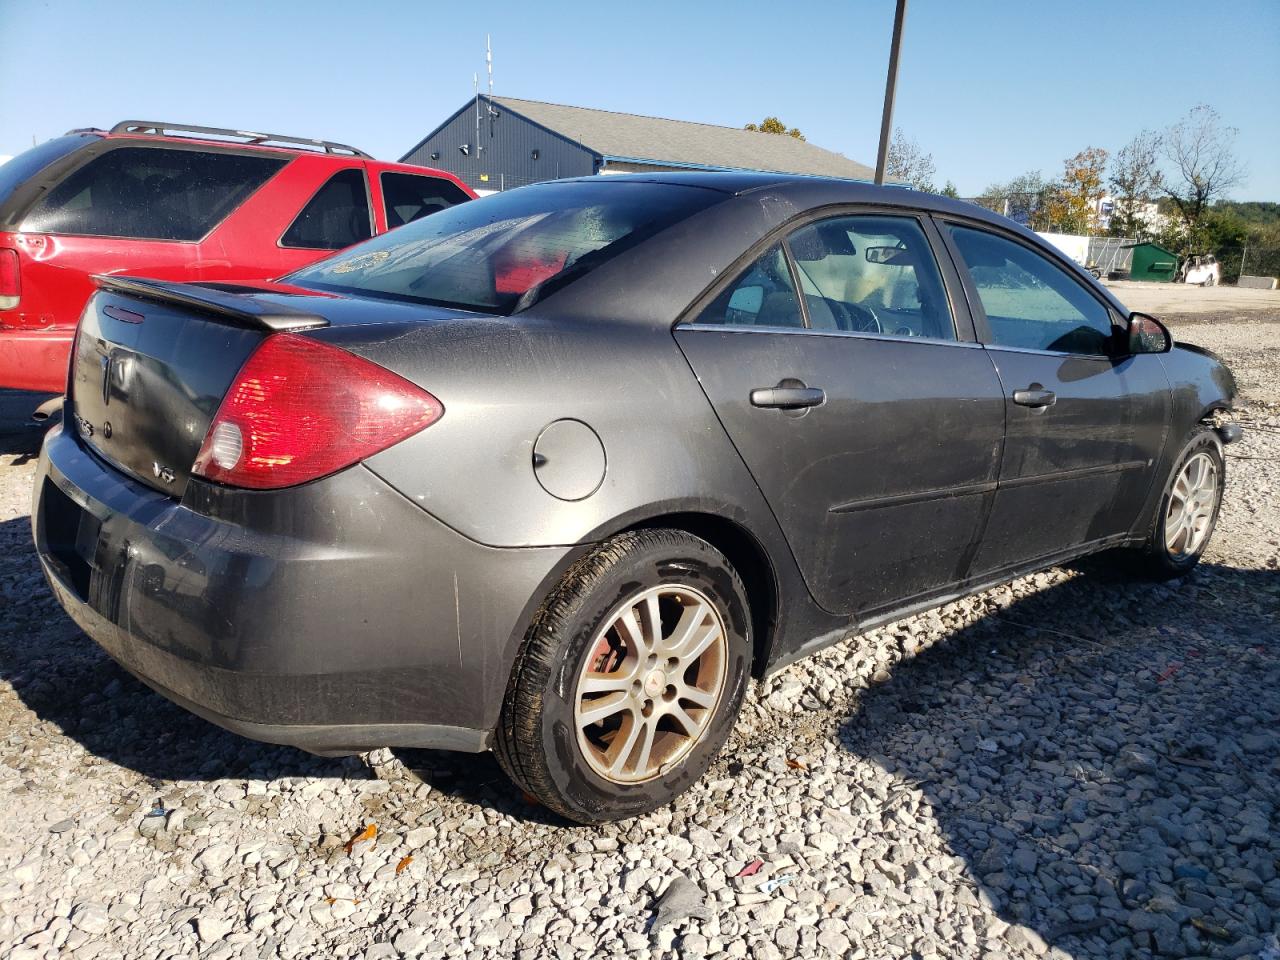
(556, 472)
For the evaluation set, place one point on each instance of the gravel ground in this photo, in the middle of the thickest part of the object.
(961, 784)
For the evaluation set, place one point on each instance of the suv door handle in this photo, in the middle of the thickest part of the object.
(787, 397)
(1035, 396)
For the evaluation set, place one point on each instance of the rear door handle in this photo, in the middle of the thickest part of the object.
(787, 398)
(1035, 396)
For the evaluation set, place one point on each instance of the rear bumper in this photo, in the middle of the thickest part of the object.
(336, 616)
(35, 360)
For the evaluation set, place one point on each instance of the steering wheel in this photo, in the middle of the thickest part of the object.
(858, 317)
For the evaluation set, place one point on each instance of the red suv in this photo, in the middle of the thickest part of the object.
(178, 203)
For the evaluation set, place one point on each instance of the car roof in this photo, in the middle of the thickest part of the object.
(809, 191)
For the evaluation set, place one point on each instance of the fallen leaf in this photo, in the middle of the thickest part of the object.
(1169, 671)
(404, 862)
(796, 764)
(368, 833)
(1212, 929)
(331, 900)
(751, 869)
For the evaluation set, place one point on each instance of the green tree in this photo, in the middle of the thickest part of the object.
(1025, 199)
(949, 190)
(1073, 207)
(774, 125)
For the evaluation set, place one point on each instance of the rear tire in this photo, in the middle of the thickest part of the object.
(630, 678)
(1188, 512)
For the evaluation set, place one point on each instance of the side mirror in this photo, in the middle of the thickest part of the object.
(1148, 335)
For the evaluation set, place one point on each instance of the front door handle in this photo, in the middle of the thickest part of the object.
(786, 397)
(1035, 396)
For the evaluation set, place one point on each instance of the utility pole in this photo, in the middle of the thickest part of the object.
(891, 82)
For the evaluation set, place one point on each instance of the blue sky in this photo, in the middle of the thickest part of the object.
(991, 89)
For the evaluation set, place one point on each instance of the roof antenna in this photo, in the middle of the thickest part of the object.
(488, 59)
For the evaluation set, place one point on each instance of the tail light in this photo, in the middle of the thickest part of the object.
(300, 409)
(10, 280)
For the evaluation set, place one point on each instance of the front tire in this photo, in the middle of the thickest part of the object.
(630, 678)
(1188, 511)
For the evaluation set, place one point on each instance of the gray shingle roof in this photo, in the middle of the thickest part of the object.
(626, 135)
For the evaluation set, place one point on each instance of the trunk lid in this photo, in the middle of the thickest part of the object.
(151, 363)
(153, 360)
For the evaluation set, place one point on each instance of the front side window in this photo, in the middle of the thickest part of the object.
(408, 197)
(150, 193)
(869, 274)
(336, 217)
(1030, 302)
(503, 253)
(764, 296)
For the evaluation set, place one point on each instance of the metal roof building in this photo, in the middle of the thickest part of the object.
(495, 143)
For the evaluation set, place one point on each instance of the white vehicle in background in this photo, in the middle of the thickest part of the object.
(1203, 270)
(1074, 246)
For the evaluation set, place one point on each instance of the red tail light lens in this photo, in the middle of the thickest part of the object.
(10, 280)
(300, 409)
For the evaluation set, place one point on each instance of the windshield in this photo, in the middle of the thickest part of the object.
(502, 253)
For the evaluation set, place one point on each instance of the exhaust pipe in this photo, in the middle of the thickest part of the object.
(47, 410)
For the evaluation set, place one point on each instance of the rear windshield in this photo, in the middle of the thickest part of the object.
(18, 170)
(151, 193)
(502, 253)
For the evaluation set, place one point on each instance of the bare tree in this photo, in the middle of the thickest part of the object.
(1135, 182)
(908, 163)
(1199, 147)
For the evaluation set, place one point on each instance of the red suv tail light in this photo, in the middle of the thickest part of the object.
(300, 409)
(10, 280)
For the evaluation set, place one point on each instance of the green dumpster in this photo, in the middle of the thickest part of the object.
(1153, 262)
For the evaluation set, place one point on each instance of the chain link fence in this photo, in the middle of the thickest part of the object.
(1253, 261)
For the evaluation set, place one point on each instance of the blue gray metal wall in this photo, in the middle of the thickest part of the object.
(506, 157)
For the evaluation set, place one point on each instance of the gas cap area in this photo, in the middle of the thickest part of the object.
(569, 460)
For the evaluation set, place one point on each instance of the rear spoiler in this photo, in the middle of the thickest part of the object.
(226, 302)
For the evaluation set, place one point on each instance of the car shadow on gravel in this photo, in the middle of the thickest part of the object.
(20, 436)
(1102, 755)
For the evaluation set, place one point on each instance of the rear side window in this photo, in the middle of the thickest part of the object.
(150, 193)
(871, 275)
(336, 217)
(408, 197)
(764, 296)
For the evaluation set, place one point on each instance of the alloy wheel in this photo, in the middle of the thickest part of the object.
(1192, 502)
(651, 683)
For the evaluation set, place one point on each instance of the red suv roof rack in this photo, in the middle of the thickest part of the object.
(150, 127)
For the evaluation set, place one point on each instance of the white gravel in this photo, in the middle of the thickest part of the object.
(1070, 765)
